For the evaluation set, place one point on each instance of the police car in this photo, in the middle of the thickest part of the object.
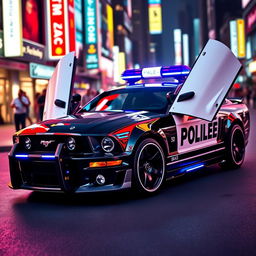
(166, 122)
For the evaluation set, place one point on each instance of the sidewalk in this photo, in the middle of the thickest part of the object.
(6, 132)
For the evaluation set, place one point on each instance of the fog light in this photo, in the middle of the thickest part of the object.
(100, 179)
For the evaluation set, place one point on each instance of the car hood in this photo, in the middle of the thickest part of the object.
(91, 123)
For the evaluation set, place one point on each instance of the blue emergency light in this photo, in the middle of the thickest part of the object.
(176, 72)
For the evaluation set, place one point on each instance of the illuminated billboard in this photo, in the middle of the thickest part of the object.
(177, 47)
(71, 25)
(106, 30)
(252, 67)
(250, 20)
(237, 38)
(241, 48)
(233, 37)
(185, 40)
(40, 71)
(31, 20)
(79, 31)
(12, 28)
(91, 35)
(57, 28)
(155, 17)
(245, 3)
(1, 44)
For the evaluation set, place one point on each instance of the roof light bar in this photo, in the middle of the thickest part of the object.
(177, 72)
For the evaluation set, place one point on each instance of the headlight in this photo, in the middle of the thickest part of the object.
(71, 143)
(27, 142)
(107, 144)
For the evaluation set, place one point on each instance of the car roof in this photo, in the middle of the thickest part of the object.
(146, 86)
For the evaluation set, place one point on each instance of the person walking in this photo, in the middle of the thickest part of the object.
(36, 106)
(20, 105)
(41, 102)
(27, 113)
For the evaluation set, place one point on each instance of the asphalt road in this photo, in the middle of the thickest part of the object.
(211, 212)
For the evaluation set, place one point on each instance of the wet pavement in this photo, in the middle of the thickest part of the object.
(212, 212)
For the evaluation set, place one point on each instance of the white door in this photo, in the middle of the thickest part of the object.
(208, 83)
(59, 89)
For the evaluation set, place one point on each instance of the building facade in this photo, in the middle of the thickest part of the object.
(35, 34)
(249, 15)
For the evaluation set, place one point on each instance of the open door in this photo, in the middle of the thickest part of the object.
(58, 96)
(208, 83)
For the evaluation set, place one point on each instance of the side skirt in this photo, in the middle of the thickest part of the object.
(194, 160)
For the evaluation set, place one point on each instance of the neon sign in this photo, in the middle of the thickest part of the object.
(91, 35)
(57, 26)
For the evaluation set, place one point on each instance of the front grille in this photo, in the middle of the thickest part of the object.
(49, 143)
(39, 174)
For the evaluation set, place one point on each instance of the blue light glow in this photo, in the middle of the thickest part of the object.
(123, 133)
(48, 156)
(177, 72)
(122, 137)
(21, 156)
(192, 168)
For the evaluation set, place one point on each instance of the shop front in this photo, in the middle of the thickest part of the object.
(16, 75)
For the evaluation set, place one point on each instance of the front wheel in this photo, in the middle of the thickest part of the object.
(149, 167)
(235, 150)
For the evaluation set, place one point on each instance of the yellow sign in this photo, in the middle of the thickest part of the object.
(241, 38)
(121, 65)
(12, 28)
(252, 67)
(110, 25)
(155, 19)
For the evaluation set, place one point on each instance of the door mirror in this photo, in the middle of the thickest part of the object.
(186, 96)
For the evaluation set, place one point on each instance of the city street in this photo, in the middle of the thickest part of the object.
(212, 212)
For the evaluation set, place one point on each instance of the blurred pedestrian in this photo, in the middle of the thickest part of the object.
(75, 103)
(254, 96)
(36, 106)
(87, 96)
(41, 102)
(27, 116)
(20, 105)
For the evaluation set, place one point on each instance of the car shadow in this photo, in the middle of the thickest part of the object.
(115, 197)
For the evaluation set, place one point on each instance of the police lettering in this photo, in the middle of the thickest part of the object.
(197, 133)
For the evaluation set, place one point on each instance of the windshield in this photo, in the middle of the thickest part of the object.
(132, 99)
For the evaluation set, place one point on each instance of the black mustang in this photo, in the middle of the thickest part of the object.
(134, 136)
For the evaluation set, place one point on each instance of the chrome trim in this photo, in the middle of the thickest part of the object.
(90, 188)
(206, 153)
(219, 144)
(39, 188)
(58, 134)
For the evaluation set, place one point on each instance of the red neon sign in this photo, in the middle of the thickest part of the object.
(58, 40)
(71, 23)
(251, 19)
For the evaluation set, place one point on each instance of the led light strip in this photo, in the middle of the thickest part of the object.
(35, 156)
(192, 168)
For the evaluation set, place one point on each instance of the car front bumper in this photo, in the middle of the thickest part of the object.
(61, 172)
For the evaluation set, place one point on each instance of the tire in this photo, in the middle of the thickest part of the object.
(149, 167)
(235, 149)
